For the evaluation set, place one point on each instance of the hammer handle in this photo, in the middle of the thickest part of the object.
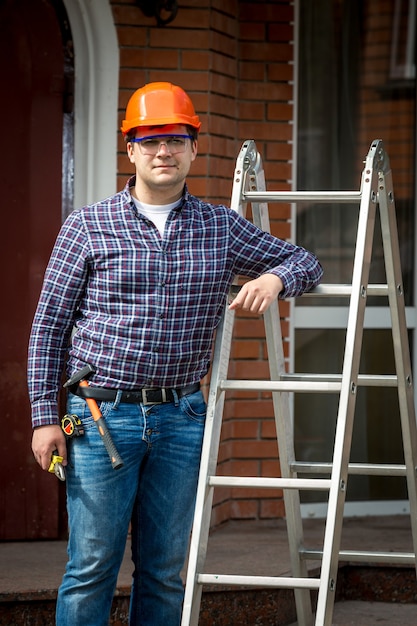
(116, 459)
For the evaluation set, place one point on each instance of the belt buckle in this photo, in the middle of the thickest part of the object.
(147, 402)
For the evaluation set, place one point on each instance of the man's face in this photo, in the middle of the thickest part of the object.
(166, 168)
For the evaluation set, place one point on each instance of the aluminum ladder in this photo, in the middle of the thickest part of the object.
(375, 192)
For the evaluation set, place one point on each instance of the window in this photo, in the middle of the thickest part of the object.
(347, 56)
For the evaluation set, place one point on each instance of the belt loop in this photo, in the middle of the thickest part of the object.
(118, 399)
(175, 395)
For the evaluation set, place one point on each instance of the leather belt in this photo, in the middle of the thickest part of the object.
(137, 396)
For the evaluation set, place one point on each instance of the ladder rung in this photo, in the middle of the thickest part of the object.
(364, 380)
(364, 557)
(317, 484)
(259, 581)
(304, 383)
(302, 196)
(361, 469)
(281, 385)
(345, 290)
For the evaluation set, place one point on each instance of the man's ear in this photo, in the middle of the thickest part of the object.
(129, 149)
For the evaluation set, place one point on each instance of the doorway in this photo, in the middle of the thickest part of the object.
(36, 69)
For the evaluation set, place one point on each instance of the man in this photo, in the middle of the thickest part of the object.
(135, 287)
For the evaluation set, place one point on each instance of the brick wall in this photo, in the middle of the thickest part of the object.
(235, 61)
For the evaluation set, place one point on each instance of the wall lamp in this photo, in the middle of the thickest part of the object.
(164, 11)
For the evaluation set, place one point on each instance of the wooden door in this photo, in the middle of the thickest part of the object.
(31, 113)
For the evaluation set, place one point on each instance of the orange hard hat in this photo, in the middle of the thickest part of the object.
(159, 104)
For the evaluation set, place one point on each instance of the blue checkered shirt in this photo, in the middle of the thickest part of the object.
(142, 309)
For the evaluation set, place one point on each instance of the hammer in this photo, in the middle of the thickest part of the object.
(80, 378)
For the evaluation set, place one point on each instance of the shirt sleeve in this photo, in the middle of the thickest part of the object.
(63, 285)
(257, 252)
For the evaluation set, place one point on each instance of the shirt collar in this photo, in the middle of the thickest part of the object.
(131, 183)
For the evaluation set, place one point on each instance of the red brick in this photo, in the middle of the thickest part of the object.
(223, 44)
(251, 110)
(249, 70)
(250, 31)
(196, 17)
(264, 91)
(246, 350)
(245, 429)
(130, 16)
(278, 151)
(131, 36)
(273, 52)
(243, 468)
(249, 328)
(131, 79)
(195, 60)
(279, 111)
(258, 449)
(230, 7)
(280, 72)
(268, 430)
(254, 408)
(143, 57)
(224, 64)
(255, 493)
(277, 131)
(270, 469)
(272, 509)
(280, 171)
(223, 23)
(280, 32)
(251, 370)
(179, 38)
(266, 12)
(243, 509)
(220, 514)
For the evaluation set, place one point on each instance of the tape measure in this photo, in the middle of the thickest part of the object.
(72, 426)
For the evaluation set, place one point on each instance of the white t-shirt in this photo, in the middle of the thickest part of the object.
(156, 213)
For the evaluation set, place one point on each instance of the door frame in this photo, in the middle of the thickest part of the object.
(96, 99)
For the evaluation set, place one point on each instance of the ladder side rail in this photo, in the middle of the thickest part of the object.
(347, 401)
(400, 337)
(212, 431)
(209, 455)
(283, 422)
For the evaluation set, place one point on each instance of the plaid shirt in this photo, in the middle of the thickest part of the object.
(142, 309)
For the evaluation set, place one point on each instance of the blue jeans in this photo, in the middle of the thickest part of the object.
(155, 490)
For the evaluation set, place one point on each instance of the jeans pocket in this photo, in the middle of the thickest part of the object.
(79, 407)
(194, 406)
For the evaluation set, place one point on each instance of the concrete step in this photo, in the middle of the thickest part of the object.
(366, 595)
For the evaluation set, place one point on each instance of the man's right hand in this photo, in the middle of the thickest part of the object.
(45, 440)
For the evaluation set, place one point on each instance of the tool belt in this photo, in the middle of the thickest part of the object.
(136, 396)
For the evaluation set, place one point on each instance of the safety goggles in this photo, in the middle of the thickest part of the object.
(152, 144)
